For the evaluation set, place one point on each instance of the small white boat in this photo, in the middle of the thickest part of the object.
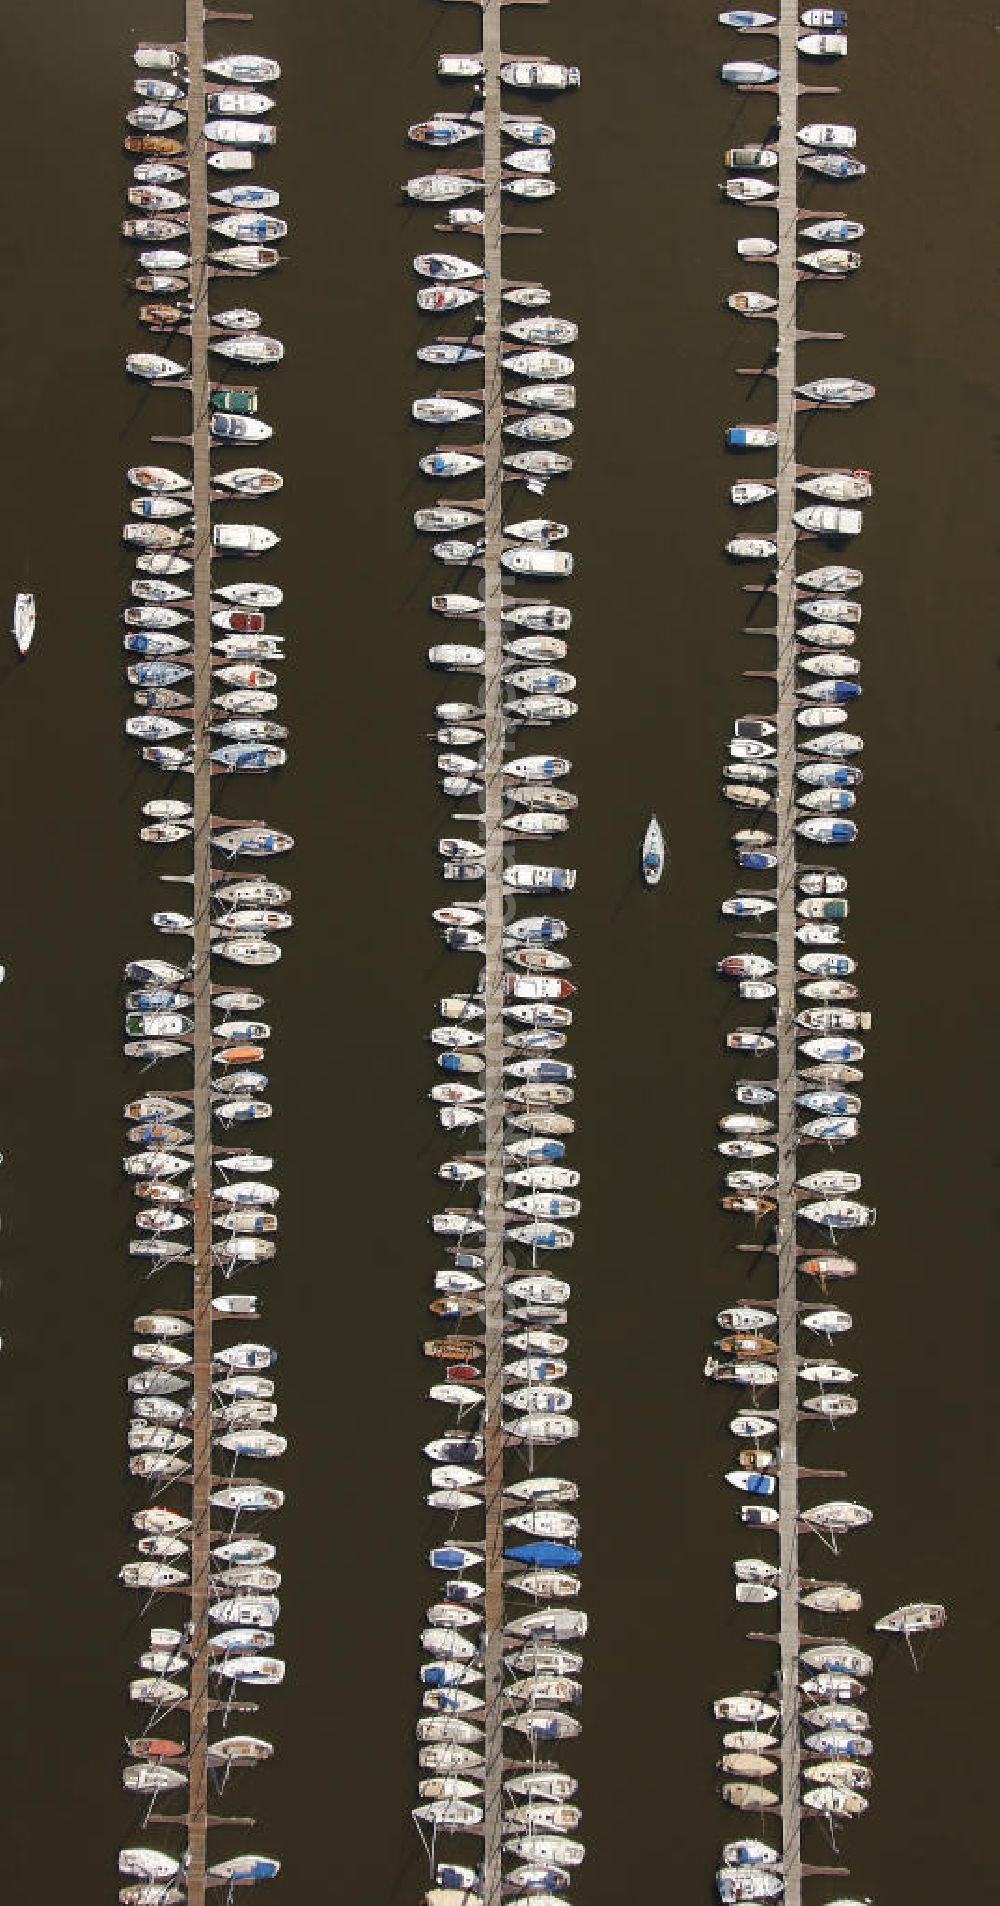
(446, 265)
(744, 190)
(752, 548)
(654, 853)
(154, 118)
(440, 188)
(827, 519)
(239, 132)
(543, 330)
(244, 69)
(752, 304)
(836, 390)
(233, 103)
(751, 437)
(756, 250)
(24, 621)
(231, 159)
(153, 367)
(243, 538)
(834, 231)
(443, 410)
(825, 136)
(247, 258)
(831, 261)
(838, 486)
(743, 493)
(822, 46)
(544, 428)
(537, 561)
(460, 66)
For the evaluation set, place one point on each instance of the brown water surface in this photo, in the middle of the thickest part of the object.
(638, 249)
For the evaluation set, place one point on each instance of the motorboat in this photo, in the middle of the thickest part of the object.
(751, 437)
(824, 135)
(752, 304)
(748, 73)
(836, 390)
(747, 20)
(151, 197)
(752, 159)
(827, 830)
(538, 561)
(245, 539)
(23, 627)
(232, 103)
(239, 132)
(229, 429)
(830, 519)
(822, 46)
(540, 362)
(443, 410)
(440, 188)
(547, 76)
(830, 261)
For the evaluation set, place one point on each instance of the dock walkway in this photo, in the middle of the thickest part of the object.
(787, 1247)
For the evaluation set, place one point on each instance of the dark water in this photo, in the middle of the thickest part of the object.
(639, 251)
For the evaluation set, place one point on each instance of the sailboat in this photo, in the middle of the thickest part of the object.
(24, 621)
(913, 1618)
(654, 853)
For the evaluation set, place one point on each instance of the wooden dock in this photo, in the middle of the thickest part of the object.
(200, 1700)
(787, 1250)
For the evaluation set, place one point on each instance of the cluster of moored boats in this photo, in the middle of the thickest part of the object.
(835, 1746)
(511, 794)
(236, 734)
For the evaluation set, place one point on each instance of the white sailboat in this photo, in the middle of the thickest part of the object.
(24, 621)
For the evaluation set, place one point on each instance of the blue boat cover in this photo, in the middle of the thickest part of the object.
(545, 1554)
